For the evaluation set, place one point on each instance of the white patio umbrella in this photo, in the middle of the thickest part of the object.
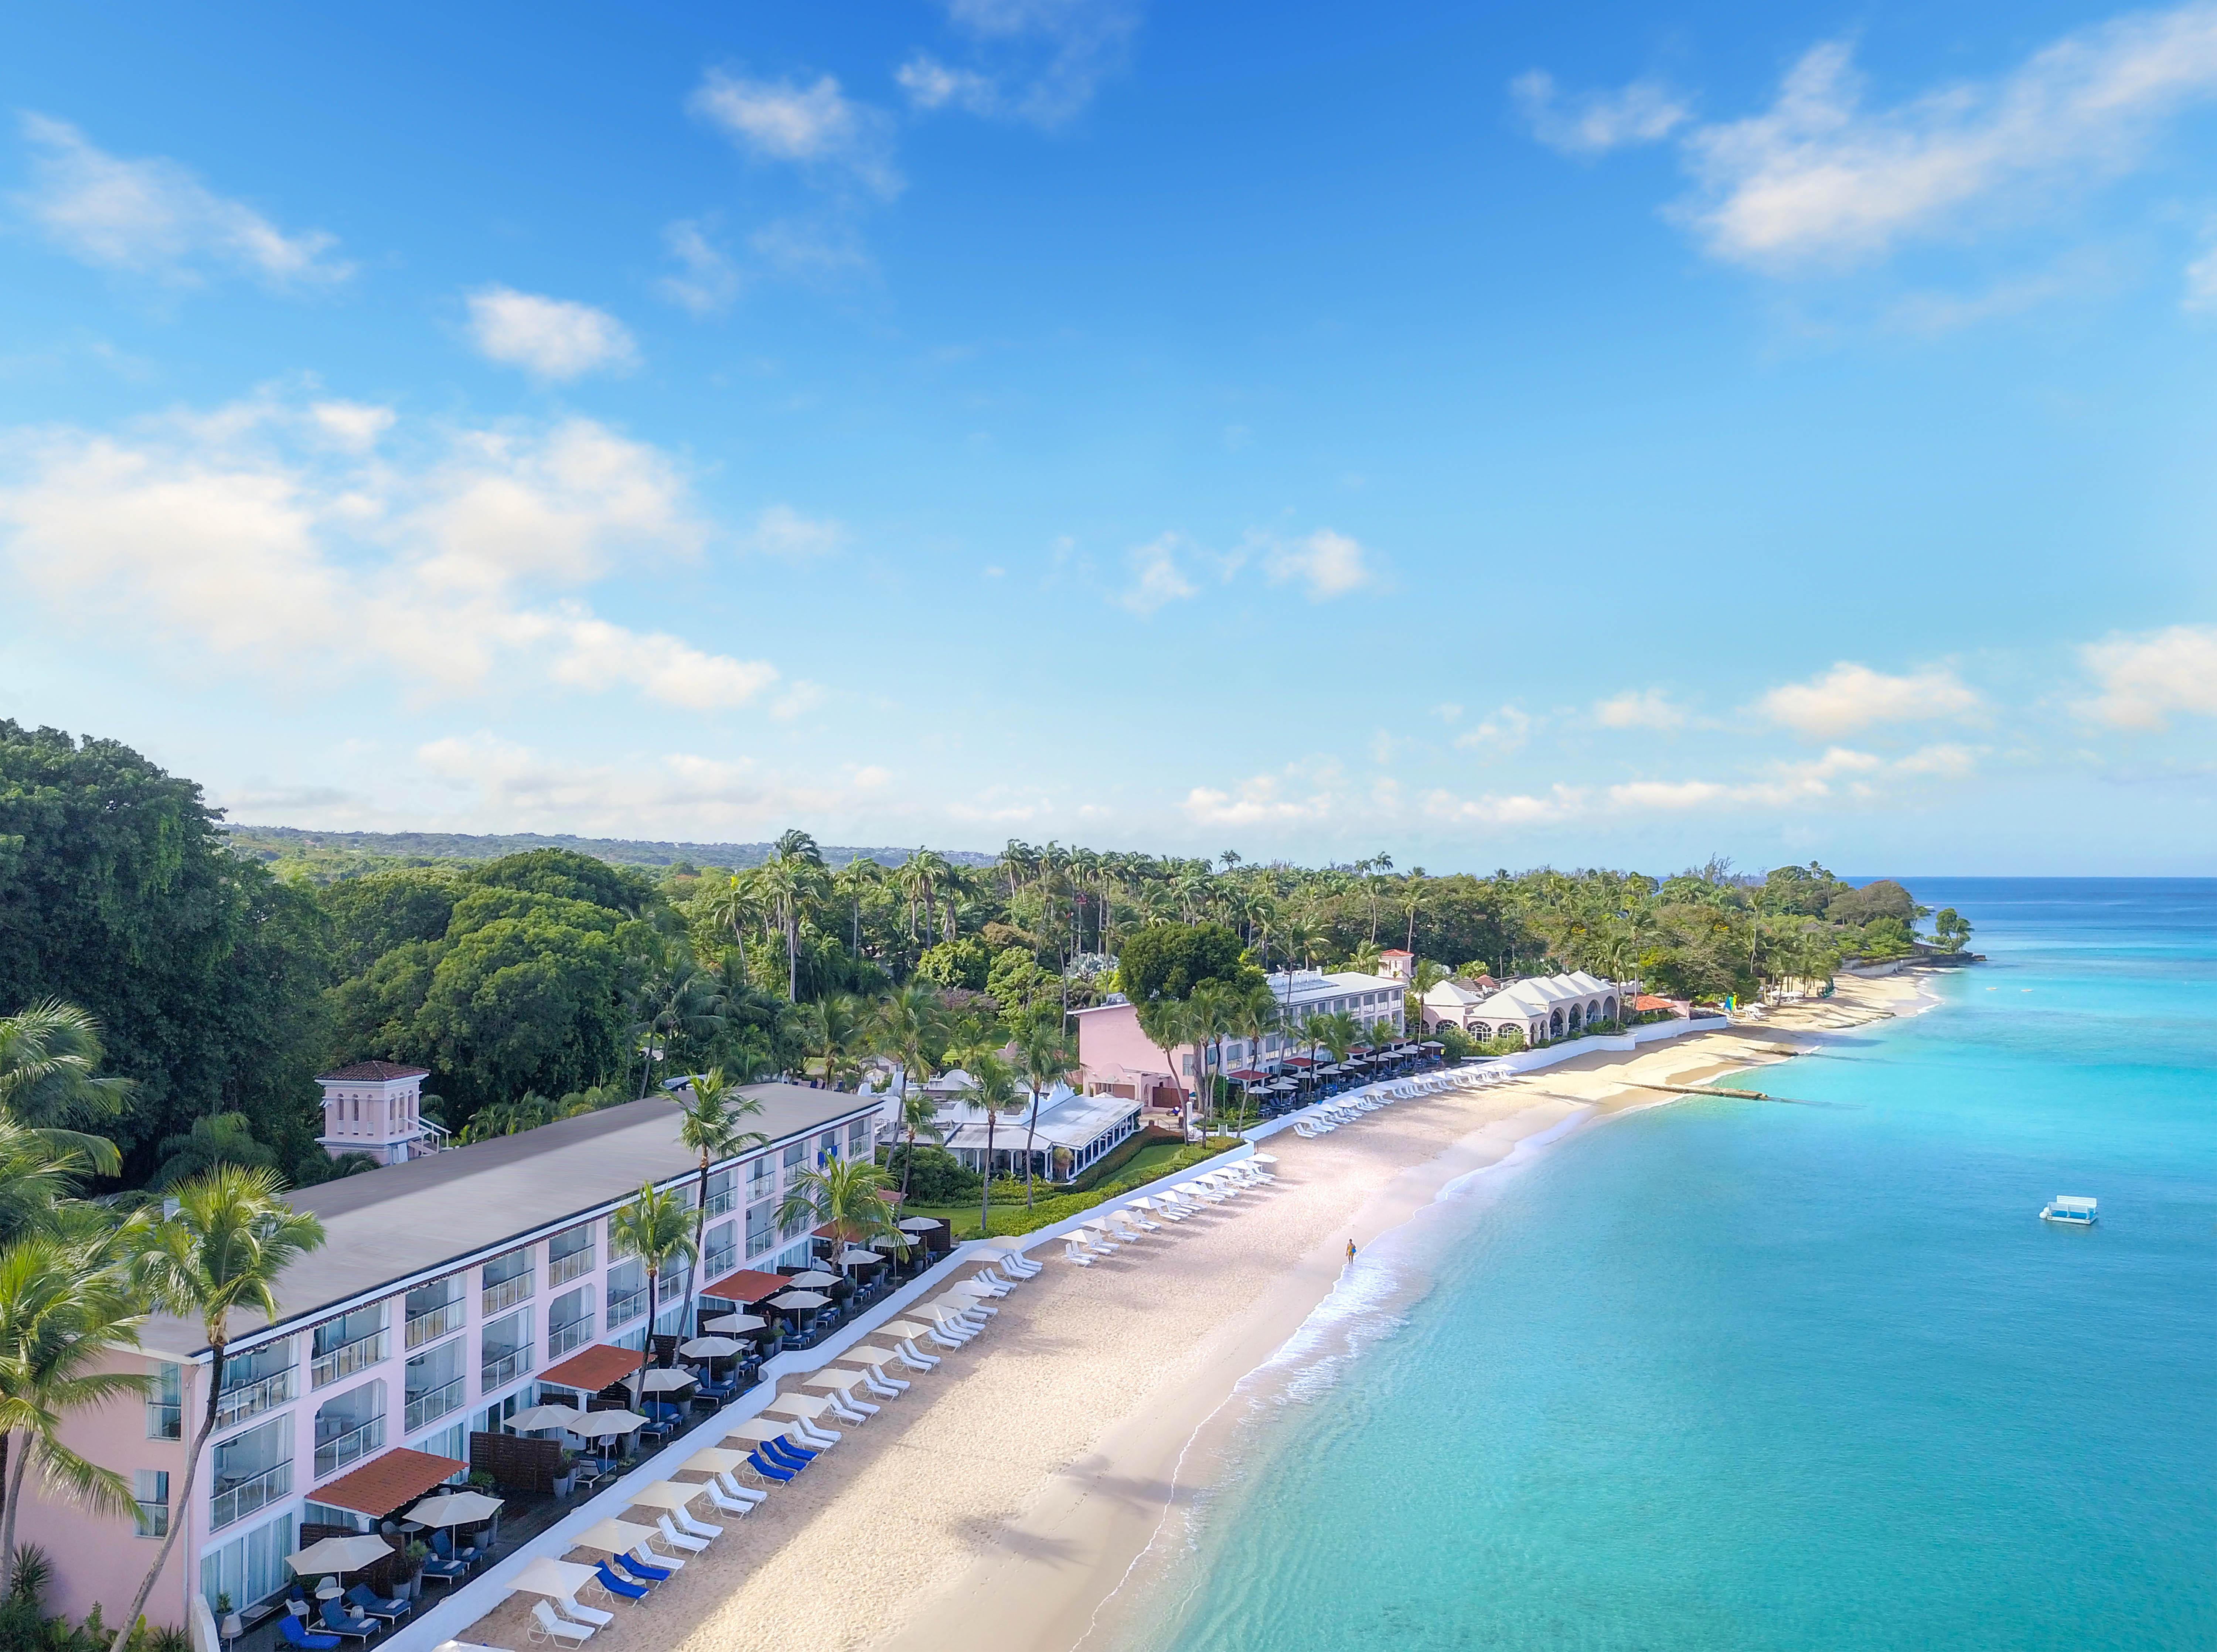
(916, 1224)
(559, 1578)
(735, 1322)
(856, 1256)
(665, 1493)
(814, 1277)
(613, 1536)
(755, 1430)
(606, 1425)
(544, 1416)
(801, 1299)
(667, 1382)
(335, 1555)
(1263, 1158)
(711, 1348)
(455, 1508)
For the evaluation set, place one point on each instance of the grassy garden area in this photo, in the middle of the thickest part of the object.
(1154, 1161)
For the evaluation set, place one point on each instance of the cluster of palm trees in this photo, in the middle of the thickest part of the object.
(77, 1280)
(1217, 1012)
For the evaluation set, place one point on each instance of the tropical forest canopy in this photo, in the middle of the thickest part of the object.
(547, 981)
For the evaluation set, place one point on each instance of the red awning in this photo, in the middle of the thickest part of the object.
(746, 1286)
(1247, 1076)
(385, 1485)
(1299, 1061)
(591, 1370)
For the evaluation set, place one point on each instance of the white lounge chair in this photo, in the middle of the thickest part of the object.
(546, 1626)
(646, 1555)
(567, 1606)
(1071, 1252)
(677, 1539)
(725, 1503)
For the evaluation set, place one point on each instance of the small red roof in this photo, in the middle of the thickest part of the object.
(380, 1486)
(1396, 952)
(1299, 1061)
(365, 1072)
(748, 1284)
(592, 1369)
(1648, 1001)
(1247, 1076)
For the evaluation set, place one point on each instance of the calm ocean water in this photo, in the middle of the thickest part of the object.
(1726, 1375)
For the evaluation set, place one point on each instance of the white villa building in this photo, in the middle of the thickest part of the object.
(1540, 1009)
(450, 1288)
(1072, 1133)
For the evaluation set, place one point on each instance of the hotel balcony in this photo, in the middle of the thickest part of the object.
(345, 1360)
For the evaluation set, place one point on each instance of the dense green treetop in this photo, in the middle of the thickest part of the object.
(1169, 960)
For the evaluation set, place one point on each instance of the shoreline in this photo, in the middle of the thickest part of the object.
(1012, 1495)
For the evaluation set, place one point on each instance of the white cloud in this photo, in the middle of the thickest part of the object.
(1447, 711)
(816, 127)
(708, 280)
(1841, 775)
(1260, 801)
(809, 249)
(2145, 680)
(1330, 564)
(1851, 696)
(152, 217)
(249, 535)
(1157, 579)
(1820, 177)
(680, 794)
(1506, 730)
(1593, 123)
(930, 84)
(782, 531)
(1639, 709)
(2201, 281)
(551, 338)
(1517, 808)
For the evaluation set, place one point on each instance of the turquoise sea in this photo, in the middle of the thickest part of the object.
(1739, 1375)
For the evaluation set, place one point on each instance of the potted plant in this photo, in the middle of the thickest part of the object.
(481, 1480)
(565, 1477)
(408, 1568)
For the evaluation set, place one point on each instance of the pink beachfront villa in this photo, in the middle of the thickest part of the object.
(452, 1285)
(1116, 1057)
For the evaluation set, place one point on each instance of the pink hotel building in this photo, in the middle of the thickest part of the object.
(452, 1286)
(1116, 1059)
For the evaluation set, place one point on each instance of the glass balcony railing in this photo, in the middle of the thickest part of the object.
(720, 1204)
(506, 1369)
(575, 1266)
(627, 1307)
(431, 1405)
(242, 1497)
(506, 1294)
(429, 1328)
(332, 1455)
(562, 1338)
(345, 1360)
(718, 1263)
(238, 1404)
(672, 1286)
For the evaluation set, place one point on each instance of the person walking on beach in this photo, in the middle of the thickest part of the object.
(1350, 1250)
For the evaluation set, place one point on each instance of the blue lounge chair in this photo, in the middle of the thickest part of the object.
(632, 1566)
(294, 1632)
(768, 1470)
(619, 1585)
(792, 1456)
(367, 1602)
(447, 1571)
(338, 1622)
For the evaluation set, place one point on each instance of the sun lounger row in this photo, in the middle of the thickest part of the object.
(1330, 1115)
(1132, 1224)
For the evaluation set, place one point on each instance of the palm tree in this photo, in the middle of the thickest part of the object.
(992, 1086)
(919, 1116)
(63, 1309)
(910, 1027)
(652, 1228)
(1255, 1016)
(792, 879)
(49, 1057)
(1213, 1012)
(738, 907)
(1044, 1059)
(224, 1248)
(36, 1176)
(848, 1196)
(1167, 1023)
(677, 999)
(713, 1111)
(836, 1031)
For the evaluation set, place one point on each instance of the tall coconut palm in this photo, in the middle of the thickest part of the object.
(715, 1126)
(993, 1086)
(677, 999)
(36, 1176)
(910, 1027)
(1213, 1015)
(838, 1028)
(1044, 1059)
(1255, 1016)
(918, 1115)
(63, 1309)
(222, 1250)
(50, 1082)
(737, 907)
(652, 1227)
(1167, 1023)
(792, 879)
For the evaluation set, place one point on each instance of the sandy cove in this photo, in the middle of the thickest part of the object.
(1004, 1496)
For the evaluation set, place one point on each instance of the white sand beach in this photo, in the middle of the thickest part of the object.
(1004, 1496)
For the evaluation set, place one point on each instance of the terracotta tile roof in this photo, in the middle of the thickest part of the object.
(1647, 1001)
(592, 1369)
(746, 1286)
(382, 1485)
(373, 1072)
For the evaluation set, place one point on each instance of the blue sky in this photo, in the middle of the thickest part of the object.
(1495, 440)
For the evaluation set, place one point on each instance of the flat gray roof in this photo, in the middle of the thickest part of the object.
(404, 1220)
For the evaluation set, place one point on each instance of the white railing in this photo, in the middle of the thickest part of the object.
(561, 1339)
(238, 1404)
(334, 1454)
(345, 1360)
(506, 1294)
(242, 1497)
(426, 1407)
(626, 1308)
(506, 1369)
(563, 1269)
(430, 1326)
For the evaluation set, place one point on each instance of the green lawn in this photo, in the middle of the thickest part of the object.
(1155, 1161)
